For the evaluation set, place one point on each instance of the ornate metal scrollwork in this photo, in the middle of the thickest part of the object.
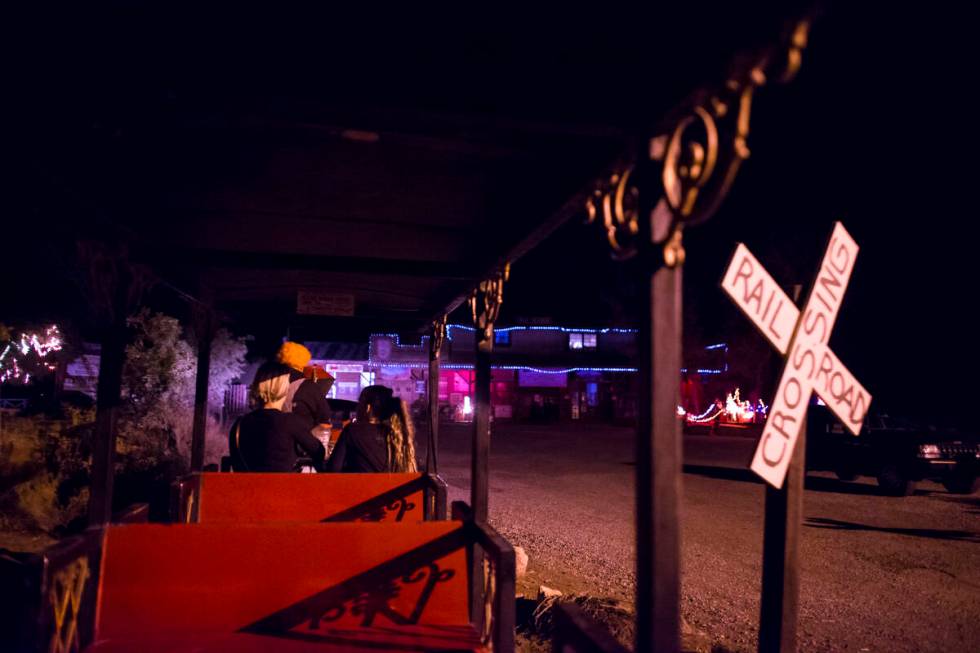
(401, 505)
(798, 39)
(698, 156)
(616, 200)
(438, 336)
(485, 302)
(489, 597)
(67, 588)
(189, 507)
(369, 604)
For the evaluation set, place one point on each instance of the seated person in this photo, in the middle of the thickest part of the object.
(382, 439)
(266, 439)
(308, 386)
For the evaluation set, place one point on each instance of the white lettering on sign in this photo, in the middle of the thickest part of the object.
(842, 393)
(810, 364)
(761, 298)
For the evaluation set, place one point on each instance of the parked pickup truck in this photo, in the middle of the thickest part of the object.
(896, 452)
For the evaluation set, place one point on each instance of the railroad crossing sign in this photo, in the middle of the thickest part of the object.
(802, 337)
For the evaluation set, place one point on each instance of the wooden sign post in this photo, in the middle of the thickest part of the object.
(802, 337)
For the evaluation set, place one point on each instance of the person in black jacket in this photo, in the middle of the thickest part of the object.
(307, 394)
(266, 439)
(381, 439)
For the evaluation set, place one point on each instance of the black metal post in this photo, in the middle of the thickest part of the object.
(201, 391)
(435, 346)
(658, 467)
(480, 483)
(485, 306)
(658, 437)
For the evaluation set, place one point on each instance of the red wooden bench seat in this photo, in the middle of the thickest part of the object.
(342, 586)
(405, 638)
(241, 498)
(286, 586)
(228, 577)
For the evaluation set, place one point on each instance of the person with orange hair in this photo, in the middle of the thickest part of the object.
(307, 395)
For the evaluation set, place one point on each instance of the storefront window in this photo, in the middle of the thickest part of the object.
(582, 340)
(347, 390)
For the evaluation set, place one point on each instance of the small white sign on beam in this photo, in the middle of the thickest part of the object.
(314, 302)
(802, 336)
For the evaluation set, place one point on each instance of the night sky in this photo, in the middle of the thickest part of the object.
(875, 132)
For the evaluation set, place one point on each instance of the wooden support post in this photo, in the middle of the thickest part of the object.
(111, 361)
(780, 557)
(658, 467)
(204, 335)
(200, 404)
(780, 539)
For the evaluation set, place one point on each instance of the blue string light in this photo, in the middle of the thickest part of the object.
(398, 342)
(449, 335)
(525, 368)
(546, 328)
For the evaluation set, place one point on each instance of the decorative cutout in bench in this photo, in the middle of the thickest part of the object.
(379, 508)
(398, 591)
(67, 587)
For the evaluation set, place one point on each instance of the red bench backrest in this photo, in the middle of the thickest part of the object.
(242, 498)
(273, 578)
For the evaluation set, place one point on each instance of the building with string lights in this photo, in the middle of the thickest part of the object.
(540, 373)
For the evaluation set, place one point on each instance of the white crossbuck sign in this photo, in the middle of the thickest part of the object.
(802, 337)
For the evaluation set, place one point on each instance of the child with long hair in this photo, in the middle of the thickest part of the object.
(400, 436)
(382, 439)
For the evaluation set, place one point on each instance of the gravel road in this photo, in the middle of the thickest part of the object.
(879, 573)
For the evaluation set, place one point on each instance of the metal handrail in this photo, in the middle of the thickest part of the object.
(493, 572)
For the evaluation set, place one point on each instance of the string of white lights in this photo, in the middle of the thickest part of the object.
(42, 344)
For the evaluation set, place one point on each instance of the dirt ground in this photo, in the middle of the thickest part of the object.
(878, 573)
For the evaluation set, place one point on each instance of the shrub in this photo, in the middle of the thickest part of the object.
(45, 464)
